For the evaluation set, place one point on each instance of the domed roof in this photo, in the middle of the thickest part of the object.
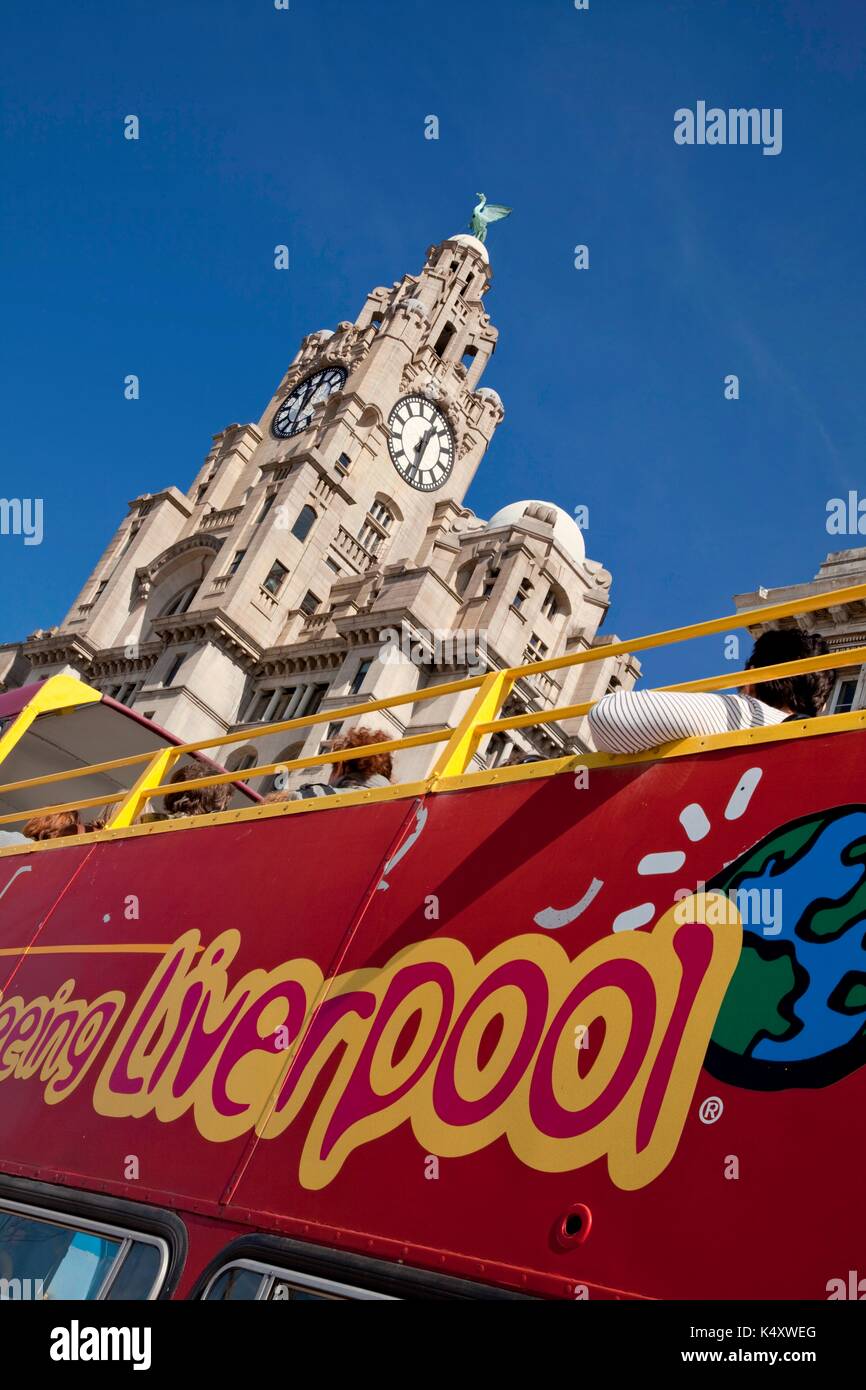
(565, 529)
(466, 239)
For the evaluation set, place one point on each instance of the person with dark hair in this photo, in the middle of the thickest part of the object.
(370, 770)
(804, 695)
(199, 801)
(632, 721)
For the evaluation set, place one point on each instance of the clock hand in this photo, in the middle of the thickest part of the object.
(422, 445)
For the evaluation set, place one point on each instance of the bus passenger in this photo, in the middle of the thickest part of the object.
(351, 774)
(631, 721)
(199, 801)
(54, 827)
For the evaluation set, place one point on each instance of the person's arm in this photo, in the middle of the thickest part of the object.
(631, 721)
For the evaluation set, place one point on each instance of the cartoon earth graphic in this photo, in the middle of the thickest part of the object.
(795, 1010)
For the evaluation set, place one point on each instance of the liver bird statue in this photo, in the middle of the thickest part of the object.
(484, 213)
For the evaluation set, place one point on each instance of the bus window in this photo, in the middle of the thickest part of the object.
(138, 1272)
(47, 1255)
(249, 1279)
(235, 1283)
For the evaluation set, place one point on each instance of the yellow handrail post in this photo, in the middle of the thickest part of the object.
(155, 773)
(457, 753)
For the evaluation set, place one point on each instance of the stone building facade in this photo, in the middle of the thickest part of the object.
(842, 625)
(274, 587)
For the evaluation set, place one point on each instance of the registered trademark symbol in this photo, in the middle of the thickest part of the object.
(711, 1110)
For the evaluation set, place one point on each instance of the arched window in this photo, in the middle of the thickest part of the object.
(444, 339)
(304, 523)
(181, 601)
(241, 759)
(376, 528)
(463, 576)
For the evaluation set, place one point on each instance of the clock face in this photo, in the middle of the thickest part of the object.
(296, 410)
(421, 443)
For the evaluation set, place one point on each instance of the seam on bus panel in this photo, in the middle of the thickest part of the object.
(333, 970)
(25, 954)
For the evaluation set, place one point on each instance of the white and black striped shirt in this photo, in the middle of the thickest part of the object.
(631, 721)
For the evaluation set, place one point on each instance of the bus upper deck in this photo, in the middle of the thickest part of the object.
(558, 1030)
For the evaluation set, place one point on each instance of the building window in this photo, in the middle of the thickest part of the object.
(103, 585)
(496, 749)
(550, 608)
(318, 695)
(133, 532)
(370, 538)
(344, 463)
(268, 503)
(845, 696)
(359, 677)
(236, 562)
(332, 565)
(275, 578)
(376, 527)
(239, 762)
(309, 603)
(536, 650)
(181, 601)
(469, 357)
(259, 703)
(444, 339)
(303, 525)
(174, 668)
(331, 732)
(522, 594)
(205, 485)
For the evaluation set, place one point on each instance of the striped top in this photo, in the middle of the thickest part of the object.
(631, 721)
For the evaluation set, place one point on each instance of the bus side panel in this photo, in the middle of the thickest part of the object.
(508, 897)
(131, 1052)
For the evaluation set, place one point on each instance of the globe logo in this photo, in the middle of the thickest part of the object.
(795, 1011)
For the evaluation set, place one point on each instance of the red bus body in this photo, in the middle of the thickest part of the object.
(499, 1033)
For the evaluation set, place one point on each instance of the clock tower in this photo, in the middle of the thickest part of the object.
(262, 592)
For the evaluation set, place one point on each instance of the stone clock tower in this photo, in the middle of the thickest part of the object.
(262, 593)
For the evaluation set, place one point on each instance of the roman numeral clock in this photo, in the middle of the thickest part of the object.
(296, 411)
(421, 443)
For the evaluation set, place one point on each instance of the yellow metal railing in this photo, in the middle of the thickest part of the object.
(480, 719)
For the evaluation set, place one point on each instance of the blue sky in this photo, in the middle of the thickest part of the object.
(306, 127)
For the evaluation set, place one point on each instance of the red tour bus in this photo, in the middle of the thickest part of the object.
(558, 1030)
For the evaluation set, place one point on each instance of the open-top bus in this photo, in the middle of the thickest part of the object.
(570, 1029)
